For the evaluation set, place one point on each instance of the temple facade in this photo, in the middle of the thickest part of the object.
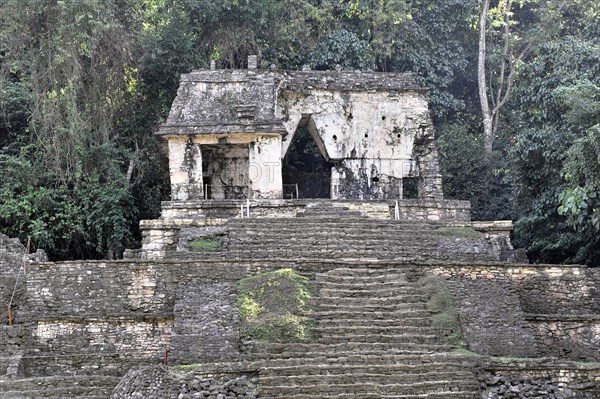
(228, 132)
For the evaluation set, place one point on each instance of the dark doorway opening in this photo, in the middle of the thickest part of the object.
(305, 166)
(410, 188)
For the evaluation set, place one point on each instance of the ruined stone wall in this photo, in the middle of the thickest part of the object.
(14, 339)
(11, 254)
(559, 306)
(369, 133)
(233, 381)
(537, 379)
(115, 315)
(206, 327)
(491, 318)
(112, 316)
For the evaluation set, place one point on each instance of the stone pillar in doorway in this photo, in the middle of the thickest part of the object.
(185, 167)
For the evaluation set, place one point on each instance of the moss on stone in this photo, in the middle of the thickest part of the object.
(205, 244)
(445, 319)
(273, 307)
(465, 352)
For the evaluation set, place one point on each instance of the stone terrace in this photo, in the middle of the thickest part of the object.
(83, 325)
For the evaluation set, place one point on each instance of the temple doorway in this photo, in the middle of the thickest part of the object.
(306, 172)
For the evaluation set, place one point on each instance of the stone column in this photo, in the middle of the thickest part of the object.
(265, 167)
(428, 167)
(185, 169)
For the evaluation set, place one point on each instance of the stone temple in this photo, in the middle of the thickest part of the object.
(229, 130)
(409, 298)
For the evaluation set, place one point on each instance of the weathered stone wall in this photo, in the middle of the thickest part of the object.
(538, 379)
(11, 254)
(491, 318)
(158, 382)
(206, 325)
(110, 316)
(570, 337)
(559, 304)
(14, 339)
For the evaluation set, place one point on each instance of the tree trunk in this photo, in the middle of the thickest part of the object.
(488, 131)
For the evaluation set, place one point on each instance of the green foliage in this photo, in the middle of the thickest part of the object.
(437, 44)
(555, 152)
(469, 175)
(445, 319)
(273, 307)
(343, 48)
(77, 126)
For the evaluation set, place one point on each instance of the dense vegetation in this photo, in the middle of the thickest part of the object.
(83, 85)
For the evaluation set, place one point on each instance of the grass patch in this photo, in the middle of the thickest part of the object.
(205, 244)
(465, 352)
(459, 232)
(273, 307)
(444, 317)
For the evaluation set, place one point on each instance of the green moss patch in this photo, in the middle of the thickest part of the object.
(205, 244)
(273, 307)
(444, 317)
(465, 352)
(459, 232)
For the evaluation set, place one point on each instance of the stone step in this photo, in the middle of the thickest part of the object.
(323, 368)
(328, 297)
(366, 314)
(391, 338)
(325, 390)
(313, 358)
(358, 290)
(280, 242)
(320, 253)
(356, 322)
(344, 308)
(367, 329)
(324, 231)
(372, 351)
(344, 272)
(374, 236)
(382, 375)
(359, 285)
(307, 221)
(433, 395)
(364, 281)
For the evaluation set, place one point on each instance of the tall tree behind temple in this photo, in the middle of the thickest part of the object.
(67, 173)
(555, 146)
(83, 84)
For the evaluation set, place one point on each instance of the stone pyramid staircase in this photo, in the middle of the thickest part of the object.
(374, 340)
(326, 209)
(349, 238)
